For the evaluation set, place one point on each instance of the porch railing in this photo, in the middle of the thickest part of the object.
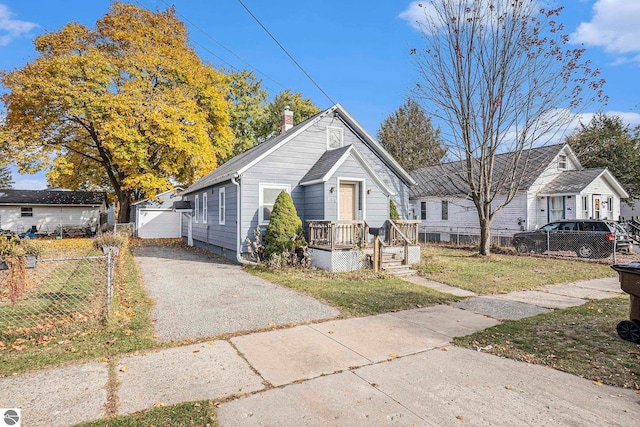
(337, 234)
(402, 231)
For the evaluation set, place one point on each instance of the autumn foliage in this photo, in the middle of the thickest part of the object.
(125, 107)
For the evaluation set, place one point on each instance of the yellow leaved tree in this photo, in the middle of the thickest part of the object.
(127, 107)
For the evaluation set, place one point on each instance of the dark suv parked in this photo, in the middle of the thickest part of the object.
(587, 238)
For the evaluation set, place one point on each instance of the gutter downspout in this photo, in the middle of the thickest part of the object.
(239, 223)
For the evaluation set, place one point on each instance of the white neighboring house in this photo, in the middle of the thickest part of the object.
(20, 210)
(554, 186)
(156, 219)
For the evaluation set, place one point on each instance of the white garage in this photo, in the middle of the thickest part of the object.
(155, 219)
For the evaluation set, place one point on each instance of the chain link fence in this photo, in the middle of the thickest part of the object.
(55, 295)
(613, 247)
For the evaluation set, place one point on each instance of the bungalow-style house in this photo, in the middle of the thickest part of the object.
(48, 210)
(554, 186)
(340, 179)
(156, 218)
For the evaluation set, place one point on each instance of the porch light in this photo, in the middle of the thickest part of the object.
(369, 191)
(332, 189)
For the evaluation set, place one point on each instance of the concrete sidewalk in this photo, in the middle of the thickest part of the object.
(390, 369)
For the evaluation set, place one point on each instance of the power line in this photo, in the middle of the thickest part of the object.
(222, 46)
(285, 51)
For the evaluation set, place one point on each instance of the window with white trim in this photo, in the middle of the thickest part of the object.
(222, 203)
(196, 208)
(334, 138)
(562, 161)
(205, 209)
(445, 210)
(26, 212)
(268, 195)
(423, 211)
(610, 206)
(585, 207)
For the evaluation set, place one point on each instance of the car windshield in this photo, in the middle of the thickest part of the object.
(550, 227)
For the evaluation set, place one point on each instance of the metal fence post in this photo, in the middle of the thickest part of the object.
(109, 282)
(615, 245)
(548, 244)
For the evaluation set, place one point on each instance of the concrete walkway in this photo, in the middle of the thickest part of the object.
(390, 369)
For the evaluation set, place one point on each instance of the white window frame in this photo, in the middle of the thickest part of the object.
(444, 210)
(222, 205)
(205, 208)
(340, 132)
(585, 206)
(268, 186)
(196, 208)
(26, 212)
(423, 210)
(610, 205)
(562, 161)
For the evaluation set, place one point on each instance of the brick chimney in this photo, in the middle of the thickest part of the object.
(287, 119)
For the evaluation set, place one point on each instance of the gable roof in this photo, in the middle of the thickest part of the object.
(51, 197)
(237, 165)
(162, 200)
(331, 160)
(573, 182)
(447, 179)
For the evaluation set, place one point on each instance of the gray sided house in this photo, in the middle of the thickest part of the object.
(339, 177)
(554, 186)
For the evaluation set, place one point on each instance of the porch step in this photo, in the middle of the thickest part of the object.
(399, 270)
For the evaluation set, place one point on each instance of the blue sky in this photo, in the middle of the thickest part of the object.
(357, 51)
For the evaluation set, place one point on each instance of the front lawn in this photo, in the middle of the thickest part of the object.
(580, 340)
(360, 293)
(499, 274)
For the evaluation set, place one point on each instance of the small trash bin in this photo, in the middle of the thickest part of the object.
(629, 276)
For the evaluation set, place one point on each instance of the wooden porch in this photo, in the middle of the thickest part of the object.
(334, 235)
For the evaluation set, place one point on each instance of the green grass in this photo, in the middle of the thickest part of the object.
(185, 414)
(503, 273)
(580, 340)
(49, 343)
(359, 293)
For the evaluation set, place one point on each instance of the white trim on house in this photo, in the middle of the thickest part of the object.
(361, 201)
(271, 186)
(196, 207)
(205, 207)
(222, 205)
(333, 131)
(361, 160)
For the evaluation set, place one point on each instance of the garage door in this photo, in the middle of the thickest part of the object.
(156, 224)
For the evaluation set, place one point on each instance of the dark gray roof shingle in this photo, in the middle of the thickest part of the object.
(572, 182)
(51, 197)
(448, 179)
(324, 164)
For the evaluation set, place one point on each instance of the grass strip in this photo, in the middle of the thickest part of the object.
(580, 340)
(359, 293)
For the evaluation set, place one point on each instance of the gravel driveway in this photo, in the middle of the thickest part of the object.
(199, 295)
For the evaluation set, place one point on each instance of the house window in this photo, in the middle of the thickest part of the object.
(221, 205)
(204, 208)
(24, 212)
(334, 138)
(423, 211)
(445, 210)
(610, 206)
(268, 195)
(562, 162)
(585, 207)
(196, 205)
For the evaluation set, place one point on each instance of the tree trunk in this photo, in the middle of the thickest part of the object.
(125, 205)
(485, 238)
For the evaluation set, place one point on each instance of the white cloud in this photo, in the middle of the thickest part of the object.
(614, 26)
(11, 28)
(415, 14)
